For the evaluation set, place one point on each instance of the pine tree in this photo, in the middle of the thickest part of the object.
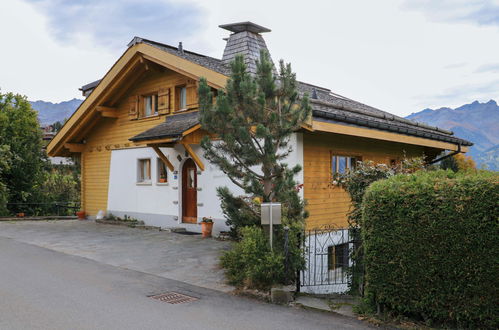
(254, 118)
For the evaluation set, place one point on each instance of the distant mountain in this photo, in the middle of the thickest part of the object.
(49, 113)
(476, 122)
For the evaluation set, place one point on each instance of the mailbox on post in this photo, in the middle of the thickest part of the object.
(271, 215)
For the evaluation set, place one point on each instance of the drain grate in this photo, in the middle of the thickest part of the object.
(174, 298)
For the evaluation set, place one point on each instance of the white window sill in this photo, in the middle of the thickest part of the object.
(145, 183)
(162, 184)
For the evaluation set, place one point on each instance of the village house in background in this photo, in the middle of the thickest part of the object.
(48, 133)
(138, 135)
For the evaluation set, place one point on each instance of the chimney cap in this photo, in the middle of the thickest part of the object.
(244, 26)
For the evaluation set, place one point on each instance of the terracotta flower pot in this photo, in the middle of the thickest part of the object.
(81, 215)
(206, 228)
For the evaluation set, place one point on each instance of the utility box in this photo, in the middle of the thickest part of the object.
(276, 213)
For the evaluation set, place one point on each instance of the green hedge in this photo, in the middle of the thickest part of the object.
(432, 247)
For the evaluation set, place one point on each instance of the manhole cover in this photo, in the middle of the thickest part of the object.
(174, 298)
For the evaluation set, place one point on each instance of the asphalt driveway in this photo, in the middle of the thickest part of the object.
(189, 259)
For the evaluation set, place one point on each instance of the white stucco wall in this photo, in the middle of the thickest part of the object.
(161, 204)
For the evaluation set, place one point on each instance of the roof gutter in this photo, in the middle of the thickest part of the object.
(446, 156)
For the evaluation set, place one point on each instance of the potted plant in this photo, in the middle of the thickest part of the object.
(81, 215)
(206, 226)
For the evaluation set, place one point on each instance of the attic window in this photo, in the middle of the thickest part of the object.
(150, 105)
(181, 97)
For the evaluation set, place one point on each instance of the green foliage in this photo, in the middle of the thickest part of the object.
(60, 184)
(250, 262)
(430, 244)
(356, 181)
(20, 131)
(239, 211)
(5, 163)
(458, 162)
(254, 117)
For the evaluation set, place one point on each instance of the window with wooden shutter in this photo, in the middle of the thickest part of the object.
(164, 101)
(133, 110)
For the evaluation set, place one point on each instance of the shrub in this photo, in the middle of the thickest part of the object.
(250, 262)
(430, 241)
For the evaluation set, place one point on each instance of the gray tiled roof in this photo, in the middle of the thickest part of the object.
(173, 127)
(203, 60)
(331, 107)
(326, 105)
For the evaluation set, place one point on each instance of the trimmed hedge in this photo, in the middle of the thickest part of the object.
(432, 247)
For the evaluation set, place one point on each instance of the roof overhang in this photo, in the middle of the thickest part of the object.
(86, 114)
(325, 126)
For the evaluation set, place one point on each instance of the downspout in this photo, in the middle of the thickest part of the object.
(447, 156)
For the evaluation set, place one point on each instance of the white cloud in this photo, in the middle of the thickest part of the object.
(377, 52)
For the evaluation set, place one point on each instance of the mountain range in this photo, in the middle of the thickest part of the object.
(49, 113)
(476, 122)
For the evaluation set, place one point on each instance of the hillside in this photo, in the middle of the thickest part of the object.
(49, 113)
(476, 122)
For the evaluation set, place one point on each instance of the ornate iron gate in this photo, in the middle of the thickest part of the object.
(328, 267)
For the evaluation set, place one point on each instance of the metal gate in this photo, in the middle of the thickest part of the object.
(328, 267)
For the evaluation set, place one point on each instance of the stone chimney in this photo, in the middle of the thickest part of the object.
(246, 39)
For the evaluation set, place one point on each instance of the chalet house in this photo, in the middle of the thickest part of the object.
(137, 134)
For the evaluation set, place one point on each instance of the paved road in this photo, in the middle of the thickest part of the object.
(189, 259)
(46, 289)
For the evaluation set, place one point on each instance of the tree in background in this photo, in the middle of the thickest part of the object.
(5, 161)
(254, 117)
(20, 132)
(25, 174)
(458, 162)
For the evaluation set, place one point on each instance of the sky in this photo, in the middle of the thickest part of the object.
(397, 55)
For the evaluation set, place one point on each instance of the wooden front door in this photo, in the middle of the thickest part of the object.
(189, 192)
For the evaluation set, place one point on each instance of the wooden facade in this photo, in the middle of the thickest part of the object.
(329, 204)
(113, 133)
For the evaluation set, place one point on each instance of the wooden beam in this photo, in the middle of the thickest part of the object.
(383, 135)
(104, 108)
(109, 114)
(163, 158)
(156, 141)
(75, 147)
(192, 129)
(195, 157)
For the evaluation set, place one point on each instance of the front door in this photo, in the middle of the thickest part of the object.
(189, 192)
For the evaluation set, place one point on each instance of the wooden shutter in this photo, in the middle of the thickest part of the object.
(192, 94)
(164, 101)
(133, 110)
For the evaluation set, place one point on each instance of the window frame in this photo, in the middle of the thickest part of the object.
(159, 164)
(154, 104)
(350, 162)
(178, 97)
(140, 179)
(337, 257)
